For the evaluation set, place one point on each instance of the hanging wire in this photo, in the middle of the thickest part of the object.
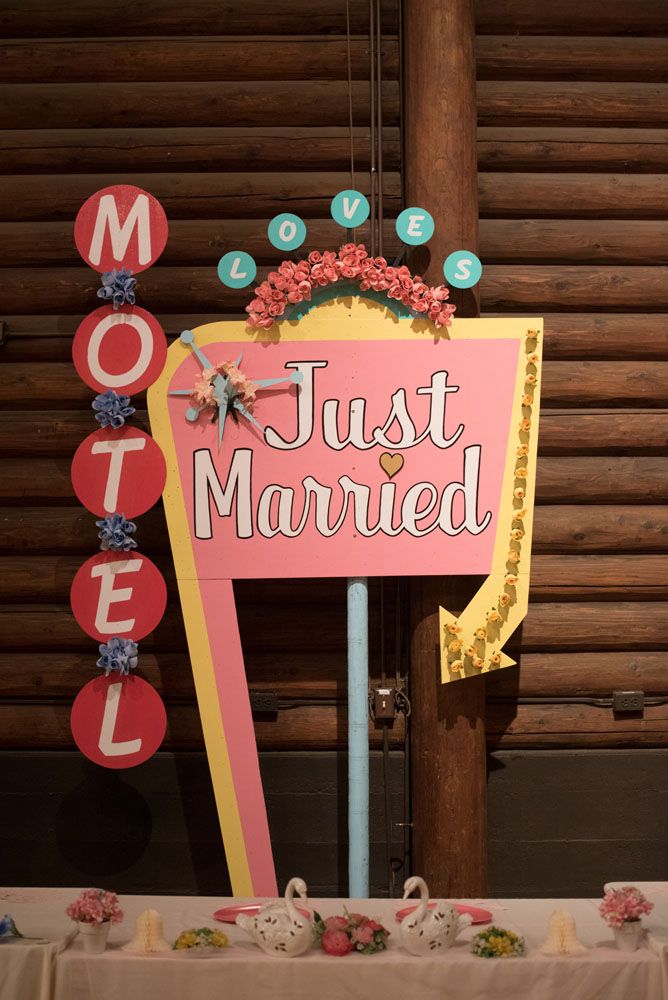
(379, 122)
(351, 232)
(372, 125)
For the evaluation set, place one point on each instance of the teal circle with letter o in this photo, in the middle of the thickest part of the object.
(414, 226)
(286, 231)
(462, 269)
(350, 209)
(237, 269)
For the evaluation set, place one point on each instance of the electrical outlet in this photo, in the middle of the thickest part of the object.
(384, 706)
(264, 702)
(628, 701)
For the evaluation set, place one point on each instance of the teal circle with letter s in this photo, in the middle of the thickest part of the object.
(286, 231)
(462, 269)
(414, 226)
(350, 209)
(237, 269)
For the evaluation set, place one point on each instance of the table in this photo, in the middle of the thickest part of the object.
(244, 973)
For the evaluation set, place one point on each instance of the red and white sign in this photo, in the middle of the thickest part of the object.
(120, 349)
(121, 226)
(117, 721)
(118, 594)
(119, 471)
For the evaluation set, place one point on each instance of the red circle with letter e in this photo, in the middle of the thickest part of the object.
(118, 594)
(117, 721)
(119, 471)
(120, 349)
(121, 226)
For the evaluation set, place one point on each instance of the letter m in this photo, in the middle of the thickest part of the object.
(120, 235)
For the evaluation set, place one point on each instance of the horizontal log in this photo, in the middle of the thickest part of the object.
(508, 57)
(199, 241)
(602, 336)
(503, 288)
(608, 150)
(202, 241)
(137, 105)
(188, 196)
(598, 17)
(48, 578)
(594, 479)
(107, 60)
(627, 288)
(75, 150)
(510, 103)
(545, 195)
(563, 384)
(562, 432)
(557, 529)
(82, 18)
(581, 675)
(522, 241)
(592, 626)
(47, 727)
(510, 725)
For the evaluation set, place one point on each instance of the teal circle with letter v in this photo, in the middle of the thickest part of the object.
(237, 269)
(462, 269)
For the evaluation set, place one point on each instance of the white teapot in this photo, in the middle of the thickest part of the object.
(279, 928)
(426, 931)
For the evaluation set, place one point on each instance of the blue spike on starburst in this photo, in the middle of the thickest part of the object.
(220, 387)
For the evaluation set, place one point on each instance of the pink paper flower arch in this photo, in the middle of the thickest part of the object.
(293, 283)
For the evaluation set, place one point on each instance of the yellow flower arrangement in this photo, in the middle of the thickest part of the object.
(201, 937)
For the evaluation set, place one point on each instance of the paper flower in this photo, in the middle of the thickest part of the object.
(115, 533)
(522, 451)
(477, 662)
(513, 557)
(453, 629)
(521, 473)
(532, 334)
(525, 424)
(95, 906)
(519, 515)
(455, 646)
(118, 655)
(533, 359)
(504, 600)
(527, 400)
(111, 409)
(118, 286)
(493, 616)
(516, 534)
(531, 379)
(511, 579)
(456, 666)
(519, 493)
(470, 651)
(495, 659)
(480, 633)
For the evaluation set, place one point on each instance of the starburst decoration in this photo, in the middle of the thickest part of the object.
(225, 393)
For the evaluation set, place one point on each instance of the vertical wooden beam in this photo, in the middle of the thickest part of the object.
(448, 723)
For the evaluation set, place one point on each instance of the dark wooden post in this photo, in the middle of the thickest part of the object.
(448, 723)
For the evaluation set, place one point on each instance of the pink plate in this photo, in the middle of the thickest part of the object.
(478, 915)
(229, 914)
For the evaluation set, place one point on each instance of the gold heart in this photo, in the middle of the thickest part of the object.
(391, 464)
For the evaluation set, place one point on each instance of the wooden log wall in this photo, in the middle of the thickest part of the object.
(228, 113)
(572, 157)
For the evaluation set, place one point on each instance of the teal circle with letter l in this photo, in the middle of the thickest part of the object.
(414, 226)
(237, 269)
(462, 269)
(286, 231)
(350, 209)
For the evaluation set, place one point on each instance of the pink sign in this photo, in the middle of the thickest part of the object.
(385, 461)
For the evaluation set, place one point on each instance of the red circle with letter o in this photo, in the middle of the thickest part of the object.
(119, 471)
(118, 594)
(117, 721)
(120, 349)
(121, 226)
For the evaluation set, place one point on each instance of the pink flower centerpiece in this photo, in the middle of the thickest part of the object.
(624, 905)
(293, 283)
(95, 906)
(351, 932)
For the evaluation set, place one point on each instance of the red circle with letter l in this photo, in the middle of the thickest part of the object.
(117, 721)
(120, 349)
(119, 471)
(121, 226)
(118, 594)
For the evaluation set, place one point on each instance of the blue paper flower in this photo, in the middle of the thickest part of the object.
(115, 533)
(119, 655)
(8, 927)
(112, 409)
(118, 286)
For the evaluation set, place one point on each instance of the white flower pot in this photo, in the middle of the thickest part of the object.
(94, 937)
(629, 936)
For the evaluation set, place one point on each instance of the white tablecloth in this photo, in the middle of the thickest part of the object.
(243, 972)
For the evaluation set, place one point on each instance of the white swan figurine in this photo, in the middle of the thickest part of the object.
(426, 931)
(278, 927)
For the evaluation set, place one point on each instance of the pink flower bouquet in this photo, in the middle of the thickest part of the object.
(95, 906)
(621, 906)
(351, 932)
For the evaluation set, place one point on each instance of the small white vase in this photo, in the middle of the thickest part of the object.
(629, 935)
(94, 936)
